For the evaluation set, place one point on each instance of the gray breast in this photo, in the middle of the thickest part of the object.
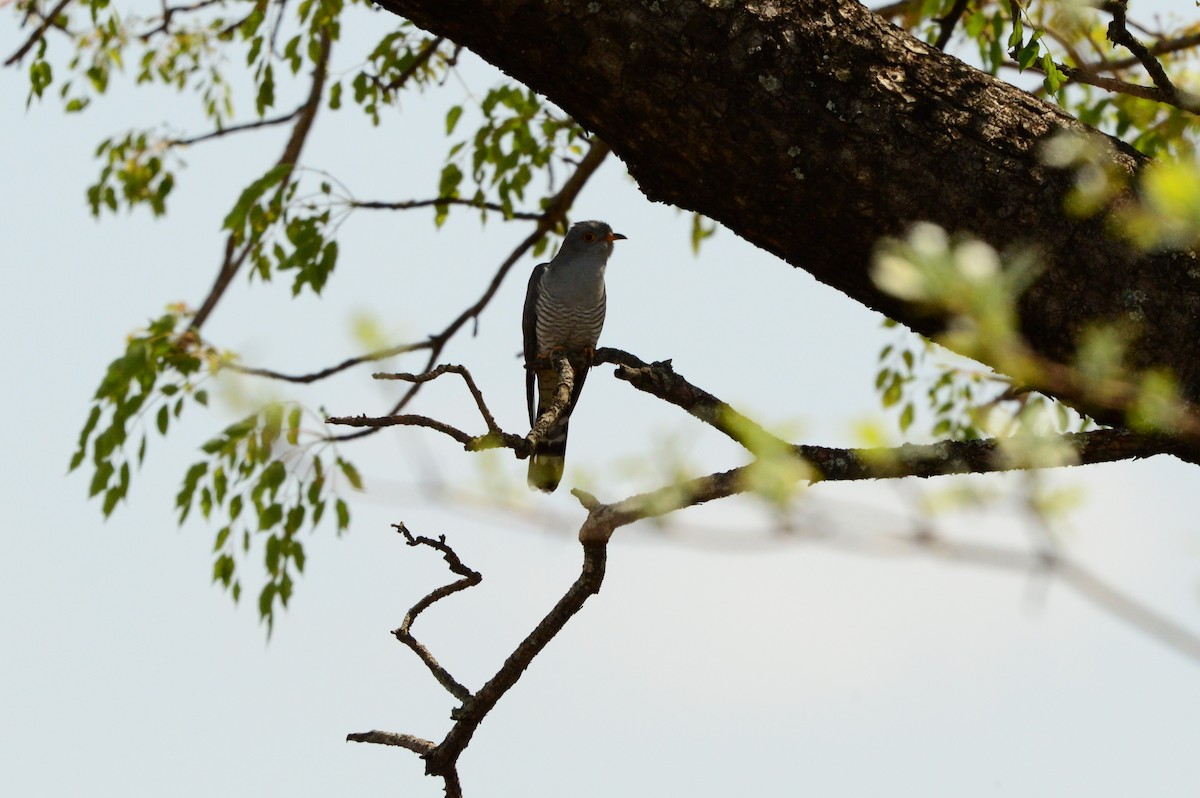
(569, 319)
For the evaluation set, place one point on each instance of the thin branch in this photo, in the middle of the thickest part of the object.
(948, 23)
(1118, 33)
(291, 155)
(415, 744)
(660, 380)
(225, 131)
(556, 210)
(444, 758)
(441, 202)
(37, 34)
(492, 439)
(170, 11)
(470, 578)
(1163, 91)
(461, 371)
(420, 61)
(406, 420)
(1161, 47)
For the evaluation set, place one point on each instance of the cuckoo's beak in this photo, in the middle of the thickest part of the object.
(614, 237)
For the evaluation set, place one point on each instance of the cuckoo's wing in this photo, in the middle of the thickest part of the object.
(529, 332)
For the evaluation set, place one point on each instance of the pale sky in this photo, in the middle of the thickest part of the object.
(719, 660)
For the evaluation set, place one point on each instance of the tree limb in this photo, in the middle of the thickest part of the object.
(816, 127)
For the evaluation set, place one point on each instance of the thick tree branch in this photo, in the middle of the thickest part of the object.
(816, 127)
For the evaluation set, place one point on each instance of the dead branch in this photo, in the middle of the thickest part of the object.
(403, 633)
(441, 760)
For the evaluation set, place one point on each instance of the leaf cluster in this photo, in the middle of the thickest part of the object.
(158, 372)
(266, 484)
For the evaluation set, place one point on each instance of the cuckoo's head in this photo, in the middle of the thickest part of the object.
(589, 239)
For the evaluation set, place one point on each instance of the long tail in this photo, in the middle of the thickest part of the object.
(548, 459)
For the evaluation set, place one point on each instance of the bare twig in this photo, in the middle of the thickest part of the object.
(225, 131)
(444, 758)
(37, 34)
(415, 744)
(441, 202)
(441, 760)
(461, 371)
(168, 12)
(470, 578)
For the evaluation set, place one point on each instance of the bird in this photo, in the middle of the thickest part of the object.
(564, 311)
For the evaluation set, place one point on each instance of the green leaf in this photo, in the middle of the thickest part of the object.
(452, 117)
(85, 433)
(270, 516)
(906, 417)
(236, 219)
(343, 515)
(223, 568)
(163, 419)
(293, 423)
(265, 599)
(271, 557)
(351, 473)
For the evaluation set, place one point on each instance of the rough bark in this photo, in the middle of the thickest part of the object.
(813, 127)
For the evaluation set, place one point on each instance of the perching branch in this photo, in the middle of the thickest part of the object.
(814, 463)
(562, 398)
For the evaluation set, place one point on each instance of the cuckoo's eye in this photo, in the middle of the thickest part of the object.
(589, 237)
